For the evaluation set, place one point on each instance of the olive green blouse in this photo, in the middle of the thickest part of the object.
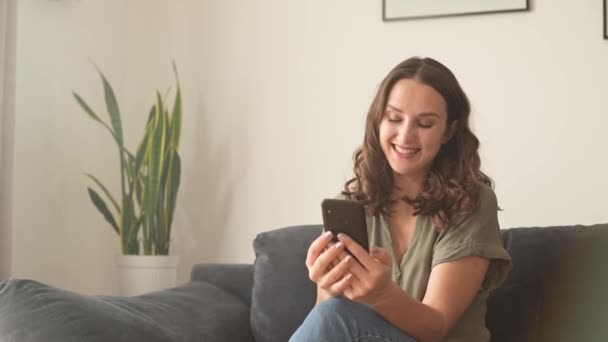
(477, 235)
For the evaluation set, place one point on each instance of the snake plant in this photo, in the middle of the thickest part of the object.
(149, 178)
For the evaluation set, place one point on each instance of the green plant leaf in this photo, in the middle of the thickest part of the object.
(174, 179)
(133, 233)
(112, 107)
(114, 112)
(103, 208)
(141, 149)
(128, 218)
(166, 160)
(156, 153)
(139, 190)
(176, 117)
(129, 167)
(105, 191)
(154, 163)
(92, 114)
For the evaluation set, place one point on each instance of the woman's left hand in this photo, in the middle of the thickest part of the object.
(371, 279)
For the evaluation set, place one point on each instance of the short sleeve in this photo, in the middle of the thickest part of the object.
(477, 235)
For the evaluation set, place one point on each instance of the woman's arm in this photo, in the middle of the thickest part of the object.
(451, 288)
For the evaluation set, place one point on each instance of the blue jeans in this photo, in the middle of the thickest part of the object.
(340, 319)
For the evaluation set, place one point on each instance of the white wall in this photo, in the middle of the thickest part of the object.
(58, 236)
(275, 94)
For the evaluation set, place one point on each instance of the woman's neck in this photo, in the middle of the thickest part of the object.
(407, 186)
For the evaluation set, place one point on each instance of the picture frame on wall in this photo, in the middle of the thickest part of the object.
(605, 19)
(420, 9)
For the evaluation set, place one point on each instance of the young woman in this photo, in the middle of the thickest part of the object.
(435, 245)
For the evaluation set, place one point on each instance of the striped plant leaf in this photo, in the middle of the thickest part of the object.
(105, 191)
(174, 179)
(103, 208)
(176, 117)
(112, 107)
(92, 114)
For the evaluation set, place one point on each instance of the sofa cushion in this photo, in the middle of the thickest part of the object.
(33, 312)
(556, 290)
(282, 293)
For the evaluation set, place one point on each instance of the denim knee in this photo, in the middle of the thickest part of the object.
(338, 314)
(339, 308)
(340, 319)
(328, 321)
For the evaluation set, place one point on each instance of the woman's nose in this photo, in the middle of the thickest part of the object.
(406, 132)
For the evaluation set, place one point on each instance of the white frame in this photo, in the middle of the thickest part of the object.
(420, 9)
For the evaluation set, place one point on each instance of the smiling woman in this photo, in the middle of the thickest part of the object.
(435, 249)
(7, 119)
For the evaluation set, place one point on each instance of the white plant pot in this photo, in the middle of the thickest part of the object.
(139, 274)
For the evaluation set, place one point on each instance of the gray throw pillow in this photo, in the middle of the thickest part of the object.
(282, 292)
(34, 312)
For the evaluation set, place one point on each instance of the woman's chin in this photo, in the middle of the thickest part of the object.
(403, 168)
(408, 173)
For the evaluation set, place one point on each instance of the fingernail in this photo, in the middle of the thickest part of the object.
(339, 245)
(327, 234)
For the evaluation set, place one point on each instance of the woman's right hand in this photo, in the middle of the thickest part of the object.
(327, 265)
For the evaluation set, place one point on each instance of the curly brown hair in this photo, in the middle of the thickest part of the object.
(451, 188)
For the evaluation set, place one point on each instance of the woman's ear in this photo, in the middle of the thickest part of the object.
(450, 131)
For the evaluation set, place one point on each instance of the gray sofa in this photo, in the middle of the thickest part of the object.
(556, 292)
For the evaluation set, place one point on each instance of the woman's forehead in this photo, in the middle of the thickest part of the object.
(411, 97)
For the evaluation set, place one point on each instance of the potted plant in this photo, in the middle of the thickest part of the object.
(143, 215)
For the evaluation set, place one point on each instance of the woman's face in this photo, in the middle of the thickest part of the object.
(412, 129)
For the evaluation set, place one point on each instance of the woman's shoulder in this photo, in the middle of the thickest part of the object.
(487, 198)
(485, 206)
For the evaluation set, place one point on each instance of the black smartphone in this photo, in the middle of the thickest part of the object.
(345, 216)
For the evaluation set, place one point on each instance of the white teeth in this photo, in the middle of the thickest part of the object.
(405, 150)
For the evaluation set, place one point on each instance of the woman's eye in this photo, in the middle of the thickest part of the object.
(390, 119)
(425, 124)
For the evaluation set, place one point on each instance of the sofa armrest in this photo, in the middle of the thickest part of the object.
(197, 311)
(236, 279)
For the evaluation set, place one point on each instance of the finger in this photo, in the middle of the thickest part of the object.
(316, 248)
(360, 274)
(332, 254)
(381, 255)
(335, 274)
(341, 256)
(323, 262)
(350, 291)
(329, 244)
(341, 285)
(359, 252)
(335, 261)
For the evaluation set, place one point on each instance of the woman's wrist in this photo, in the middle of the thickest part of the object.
(322, 295)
